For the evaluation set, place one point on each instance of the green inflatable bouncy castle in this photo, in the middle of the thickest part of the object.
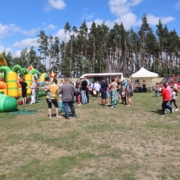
(7, 103)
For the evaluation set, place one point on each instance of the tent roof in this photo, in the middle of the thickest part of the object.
(143, 73)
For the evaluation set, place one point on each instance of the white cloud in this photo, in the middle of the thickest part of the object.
(88, 16)
(56, 4)
(61, 35)
(8, 29)
(177, 5)
(27, 43)
(30, 32)
(119, 7)
(18, 53)
(153, 20)
(122, 9)
(51, 27)
(7, 49)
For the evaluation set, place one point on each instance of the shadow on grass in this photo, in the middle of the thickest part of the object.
(158, 111)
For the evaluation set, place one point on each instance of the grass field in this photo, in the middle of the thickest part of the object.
(101, 143)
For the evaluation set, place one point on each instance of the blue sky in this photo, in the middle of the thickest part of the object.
(22, 20)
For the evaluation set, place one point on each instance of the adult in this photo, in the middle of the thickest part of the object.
(33, 99)
(36, 88)
(104, 86)
(68, 90)
(166, 99)
(83, 91)
(113, 93)
(119, 89)
(54, 90)
(87, 90)
(97, 88)
(156, 90)
(144, 85)
(168, 87)
(129, 92)
(24, 90)
(94, 93)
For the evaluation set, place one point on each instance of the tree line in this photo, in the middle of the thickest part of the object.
(104, 49)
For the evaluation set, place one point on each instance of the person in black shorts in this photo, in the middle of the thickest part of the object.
(104, 86)
(24, 91)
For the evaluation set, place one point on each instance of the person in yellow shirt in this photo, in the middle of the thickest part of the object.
(54, 89)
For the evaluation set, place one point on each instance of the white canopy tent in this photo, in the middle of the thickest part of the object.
(146, 75)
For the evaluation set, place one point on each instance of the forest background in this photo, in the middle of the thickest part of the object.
(104, 49)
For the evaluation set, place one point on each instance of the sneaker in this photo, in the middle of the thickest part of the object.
(173, 110)
(162, 114)
(79, 104)
(176, 109)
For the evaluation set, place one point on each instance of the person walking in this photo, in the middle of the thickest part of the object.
(68, 90)
(174, 96)
(54, 90)
(166, 99)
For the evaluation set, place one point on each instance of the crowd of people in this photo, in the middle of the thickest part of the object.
(112, 93)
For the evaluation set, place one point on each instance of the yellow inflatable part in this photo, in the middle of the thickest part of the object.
(42, 78)
(28, 79)
(12, 78)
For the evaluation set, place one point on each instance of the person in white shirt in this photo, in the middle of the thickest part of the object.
(97, 88)
(174, 96)
(175, 85)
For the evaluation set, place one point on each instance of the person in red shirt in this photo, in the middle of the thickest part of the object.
(166, 99)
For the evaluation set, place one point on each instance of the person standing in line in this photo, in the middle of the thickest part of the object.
(83, 91)
(87, 90)
(24, 91)
(54, 90)
(68, 90)
(113, 93)
(104, 86)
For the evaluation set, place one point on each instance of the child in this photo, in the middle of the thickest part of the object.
(48, 91)
(79, 94)
(33, 99)
(123, 96)
(174, 98)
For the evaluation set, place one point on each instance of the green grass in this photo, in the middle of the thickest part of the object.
(101, 143)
